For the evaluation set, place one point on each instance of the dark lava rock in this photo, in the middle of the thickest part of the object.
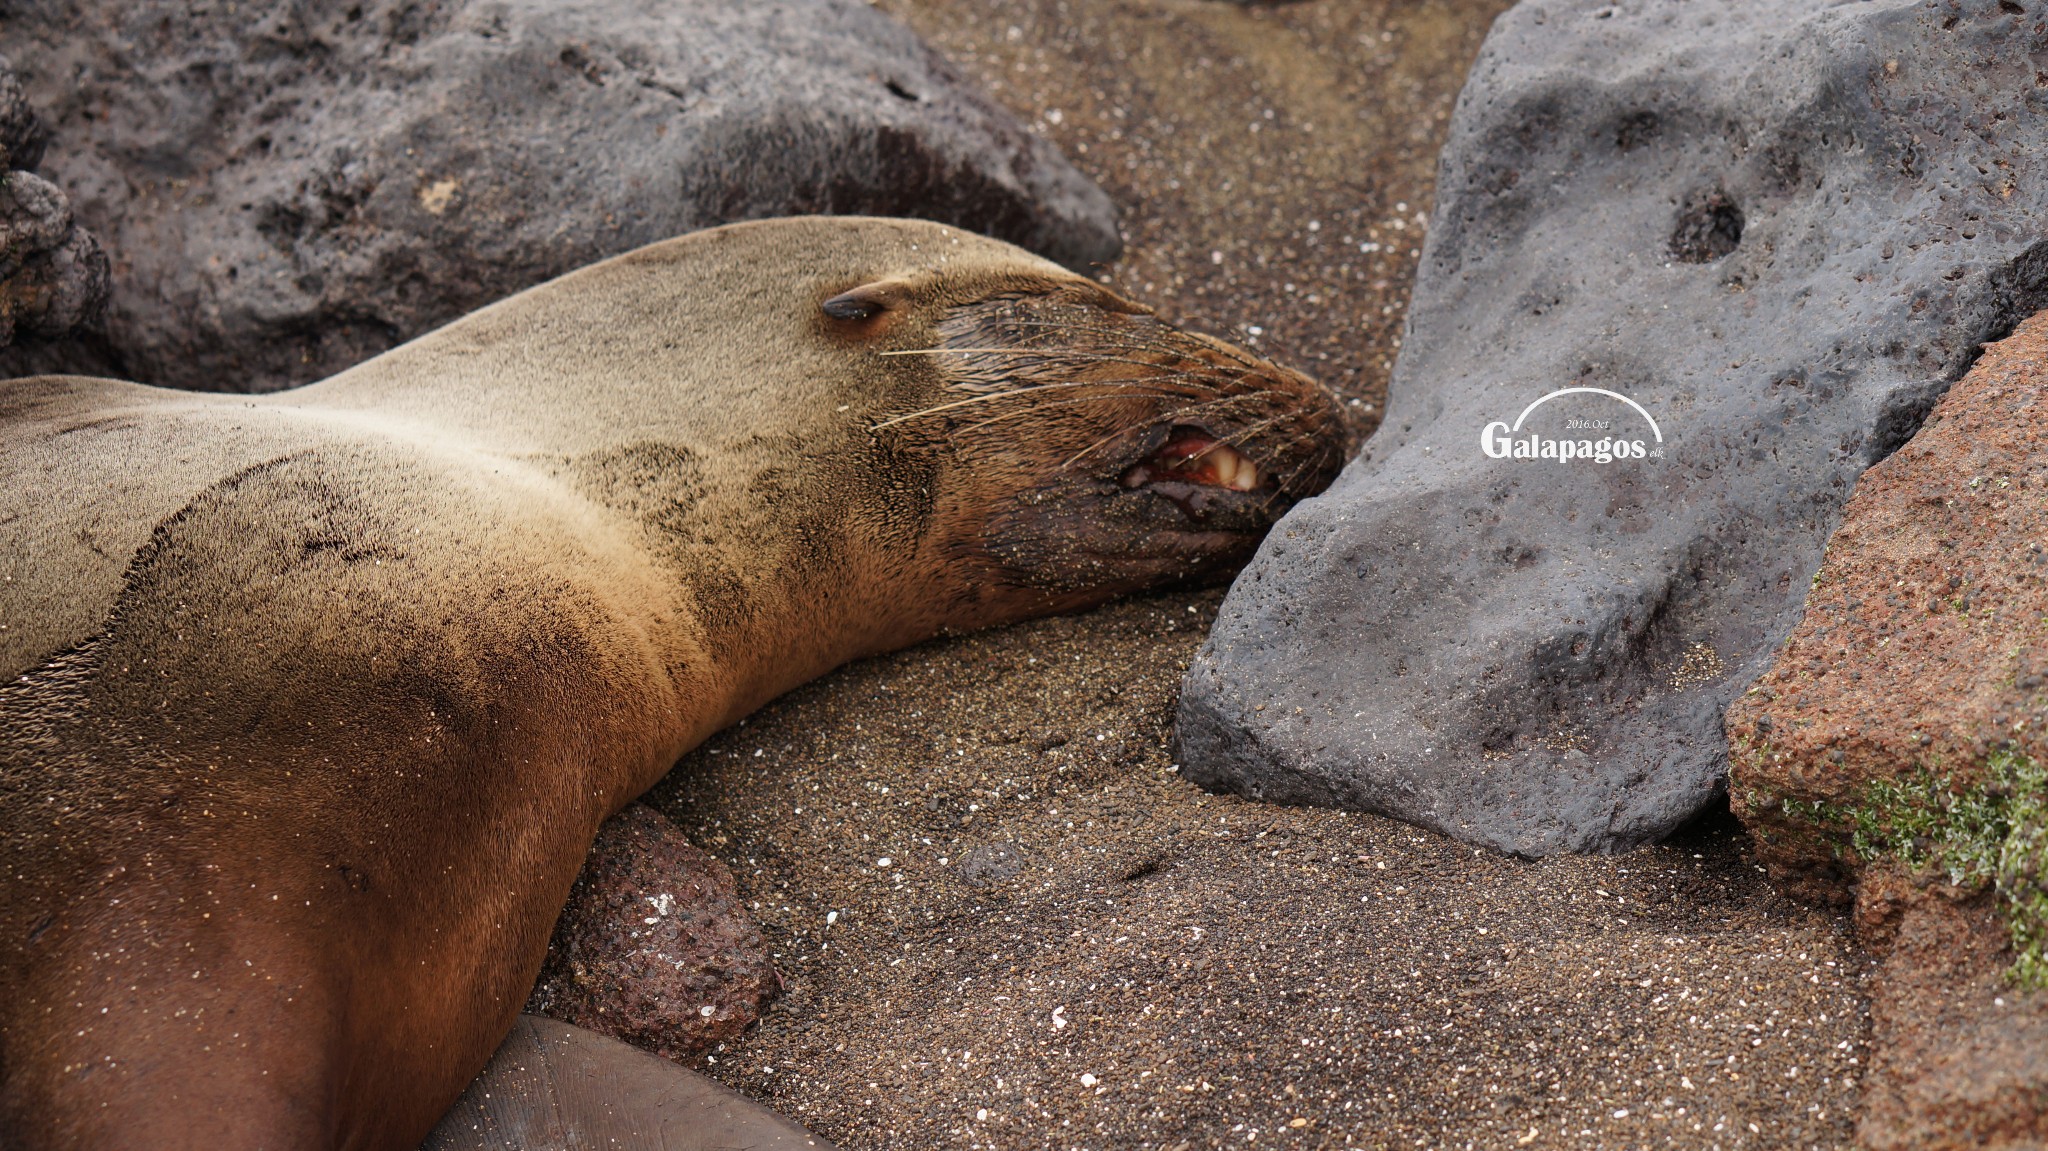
(290, 189)
(1898, 748)
(1782, 230)
(53, 276)
(654, 946)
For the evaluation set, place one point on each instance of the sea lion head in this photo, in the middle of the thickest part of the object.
(1088, 447)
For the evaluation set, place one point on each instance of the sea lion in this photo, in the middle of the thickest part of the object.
(311, 703)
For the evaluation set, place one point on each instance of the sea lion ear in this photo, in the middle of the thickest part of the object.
(869, 300)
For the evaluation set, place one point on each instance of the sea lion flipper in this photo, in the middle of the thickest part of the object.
(553, 1087)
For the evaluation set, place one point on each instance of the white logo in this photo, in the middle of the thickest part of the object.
(1502, 442)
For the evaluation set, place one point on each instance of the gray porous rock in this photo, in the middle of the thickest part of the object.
(1782, 229)
(289, 189)
(53, 275)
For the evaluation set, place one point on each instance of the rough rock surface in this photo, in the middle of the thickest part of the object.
(654, 947)
(53, 276)
(1924, 645)
(1959, 1058)
(290, 189)
(1896, 744)
(1783, 230)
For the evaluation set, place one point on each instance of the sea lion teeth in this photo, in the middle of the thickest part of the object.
(1193, 458)
(1233, 470)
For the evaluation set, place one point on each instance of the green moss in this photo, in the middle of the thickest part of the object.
(1991, 834)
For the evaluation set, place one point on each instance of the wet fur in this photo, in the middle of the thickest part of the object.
(310, 704)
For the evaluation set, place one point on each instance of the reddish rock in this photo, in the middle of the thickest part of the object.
(1959, 1051)
(1924, 644)
(654, 947)
(1874, 759)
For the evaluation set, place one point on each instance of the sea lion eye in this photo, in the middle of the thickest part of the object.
(868, 301)
(849, 306)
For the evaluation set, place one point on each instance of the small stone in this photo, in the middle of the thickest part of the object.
(676, 983)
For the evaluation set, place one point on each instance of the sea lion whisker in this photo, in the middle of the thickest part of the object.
(1035, 408)
(1290, 442)
(1219, 404)
(1160, 385)
(969, 351)
(1188, 379)
(1063, 325)
(1304, 433)
(1070, 461)
(1244, 434)
(1066, 326)
(1241, 361)
(1164, 383)
(990, 396)
(1234, 368)
(1243, 397)
(1324, 455)
(1158, 375)
(1064, 332)
(1284, 485)
(1058, 335)
(1091, 358)
(1280, 488)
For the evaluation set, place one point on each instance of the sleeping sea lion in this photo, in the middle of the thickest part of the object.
(311, 703)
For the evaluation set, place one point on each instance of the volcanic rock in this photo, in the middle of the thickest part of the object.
(1770, 235)
(1896, 749)
(654, 947)
(1924, 646)
(1959, 1055)
(53, 276)
(291, 189)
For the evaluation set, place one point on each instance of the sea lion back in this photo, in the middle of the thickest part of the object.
(90, 467)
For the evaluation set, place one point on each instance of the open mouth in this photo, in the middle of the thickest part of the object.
(1191, 456)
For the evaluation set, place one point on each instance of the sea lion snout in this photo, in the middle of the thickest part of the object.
(1106, 449)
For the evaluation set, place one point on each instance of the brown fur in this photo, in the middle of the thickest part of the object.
(310, 704)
